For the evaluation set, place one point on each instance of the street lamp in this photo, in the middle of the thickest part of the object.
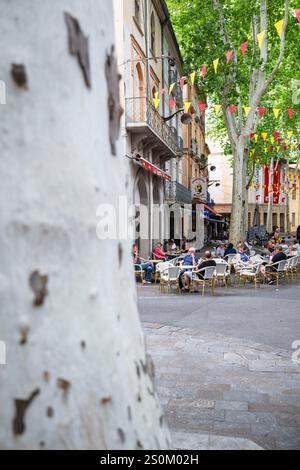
(186, 118)
(217, 183)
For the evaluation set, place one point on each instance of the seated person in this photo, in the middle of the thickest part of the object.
(230, 250)
(183, 246)
(189, 260)
(158, 253)
(242, 256)
(171, 246)
(278, 256)
(146, 267)
(205, 262)
(220, 251)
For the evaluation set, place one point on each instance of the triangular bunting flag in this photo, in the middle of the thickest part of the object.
(256, 137)
(182, 80)
(247, 110)
(187, 106)
(279, 27)
(218, 108)
(264, 136)
(229, 55)
(216, 63)
(272, 139)
(244, 47)
(278, 149)
(171, 88)
(261, 38)
(202, 107)
(298, 14)
(203, 71)
(276, 134)
(232, 108)
(291, 113)
(276, 112)
(192, 77)
(289, 134)
(156, 102)
(261, 112)
(172, 104)
(156, 95)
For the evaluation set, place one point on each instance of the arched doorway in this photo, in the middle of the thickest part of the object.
(139, 93)
(156, 211)
(141, 222)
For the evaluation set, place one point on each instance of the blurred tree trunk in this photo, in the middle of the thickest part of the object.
(77, 375)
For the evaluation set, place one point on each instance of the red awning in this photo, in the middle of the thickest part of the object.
(211, 210)
(154, 169)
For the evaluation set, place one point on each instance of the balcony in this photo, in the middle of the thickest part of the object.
(176, 192)
(194, 148)
(141, 117)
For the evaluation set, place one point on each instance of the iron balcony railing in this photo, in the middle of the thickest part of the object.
(194, 147)
(176, 192)
(140, 112)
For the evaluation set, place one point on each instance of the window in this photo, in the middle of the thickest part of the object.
(152, 34)
(293, 219)
(137, 11)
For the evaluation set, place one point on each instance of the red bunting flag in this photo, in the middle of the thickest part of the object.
(202, 107)
(244, 47)
(172, 104)
(291, 113)
(252, 136)
(232, 108)
(229, 55)
(203, 71)
(276, 134)
(261, 112)
(298, 14)
(182, 82)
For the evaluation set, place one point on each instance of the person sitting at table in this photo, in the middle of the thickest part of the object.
(185, 276)
(158, 253)
(183, 246)
(230, 250)
(242, 256)
(278, 256)
(205, 262)
(171, 246)
(146, 267)
(220, 251)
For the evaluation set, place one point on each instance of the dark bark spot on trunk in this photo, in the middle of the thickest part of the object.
(19, 75)
(139, 445)
(138, 371)
(79, 46)
(24, 330)
(65, 386)
(122, 436)
(139, 398)
(106, 400)
(46, 376)
(161, 421)
(129, 414)
(42, 444)
(115, 110)
(21, 407)
(83, 345)
(38, 284)
(50, 412)
(120, 253)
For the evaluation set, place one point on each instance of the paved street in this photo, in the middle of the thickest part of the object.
(224, 365)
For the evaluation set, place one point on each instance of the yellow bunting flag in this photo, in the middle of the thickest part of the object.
(247, 110)
(292, 147)
(193, 76)
(218, 108)
(171, 88)
(261, 38)
(264, 136)
(266, 149)
(156, 102)
(187, 106)
(272, 139)
(287, 142)
(256, 137)
(276, 112)
(289, 134)
(216, 64)
(279, 27)
(278, 149)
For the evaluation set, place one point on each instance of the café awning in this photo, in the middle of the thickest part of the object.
(210, 209)
(154, 169)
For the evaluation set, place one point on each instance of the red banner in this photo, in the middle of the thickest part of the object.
(276, 185)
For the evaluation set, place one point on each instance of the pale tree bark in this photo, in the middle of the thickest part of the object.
(270, 197)
(258, 85)
(77, 374)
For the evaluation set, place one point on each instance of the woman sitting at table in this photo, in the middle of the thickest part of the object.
(185, 276)
(146, 267)
(158, 253)
(242, 256)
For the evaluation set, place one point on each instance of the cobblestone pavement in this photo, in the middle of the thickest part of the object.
(213, 385)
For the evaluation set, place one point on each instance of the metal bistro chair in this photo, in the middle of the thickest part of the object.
(223, 273)
(209, 278)
(251, 274)
(139, 273)
(160, 267)
(280, 271)
(169, 277)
